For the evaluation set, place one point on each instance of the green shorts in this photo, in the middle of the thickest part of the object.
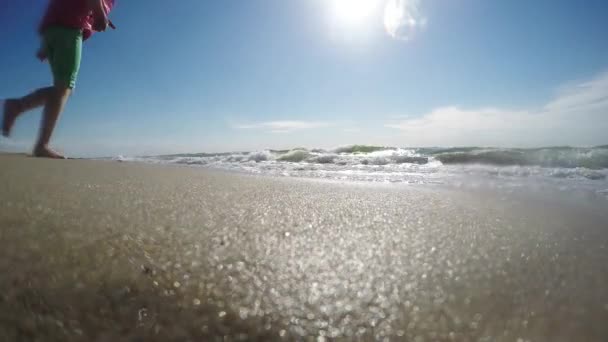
(64, 50)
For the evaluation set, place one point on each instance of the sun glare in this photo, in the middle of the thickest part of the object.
(353, 12)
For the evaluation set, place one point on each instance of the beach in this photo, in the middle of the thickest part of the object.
(120, 251)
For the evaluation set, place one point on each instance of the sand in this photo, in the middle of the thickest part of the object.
(108, 251)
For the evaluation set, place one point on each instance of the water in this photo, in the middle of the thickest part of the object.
(559, 168)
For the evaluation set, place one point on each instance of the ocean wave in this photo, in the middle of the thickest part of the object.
(260, 156)
(323, 159)
(567, 165)
(595, 158)
(563, 157)
(295, 156)
(362, 149)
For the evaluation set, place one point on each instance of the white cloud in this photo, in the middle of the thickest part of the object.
(403, 18)
(283, 126)
(588, 95)
(578, 115)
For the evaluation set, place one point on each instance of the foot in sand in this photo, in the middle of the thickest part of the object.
(47, 152)
(12, 109)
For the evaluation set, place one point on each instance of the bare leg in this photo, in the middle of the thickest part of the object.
(56, 100)
(15, 107)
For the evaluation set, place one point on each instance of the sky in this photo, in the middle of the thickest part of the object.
(210, 76)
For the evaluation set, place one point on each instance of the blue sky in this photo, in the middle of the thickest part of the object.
(192, 76)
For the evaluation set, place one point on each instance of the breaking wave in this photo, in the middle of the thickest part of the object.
(594, 158)
(411, 165)
(564, 157)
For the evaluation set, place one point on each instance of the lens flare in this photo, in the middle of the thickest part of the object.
(402, 18)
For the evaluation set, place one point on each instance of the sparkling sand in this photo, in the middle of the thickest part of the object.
(109, 251)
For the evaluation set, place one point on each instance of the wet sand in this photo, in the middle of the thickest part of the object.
(108, 251)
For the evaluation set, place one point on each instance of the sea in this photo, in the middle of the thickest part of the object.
(562, 169)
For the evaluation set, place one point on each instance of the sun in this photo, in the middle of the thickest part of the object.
(353, 12)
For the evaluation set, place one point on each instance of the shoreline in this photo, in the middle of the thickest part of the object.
(597, 199)
(91, 250)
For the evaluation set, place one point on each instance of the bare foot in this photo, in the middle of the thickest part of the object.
(46, 152)
(12, 109)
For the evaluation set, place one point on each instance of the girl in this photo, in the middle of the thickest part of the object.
(66, 24)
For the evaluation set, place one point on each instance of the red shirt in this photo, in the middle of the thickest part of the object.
(72, 14)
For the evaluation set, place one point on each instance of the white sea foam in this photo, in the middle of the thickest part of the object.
(559, 167)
